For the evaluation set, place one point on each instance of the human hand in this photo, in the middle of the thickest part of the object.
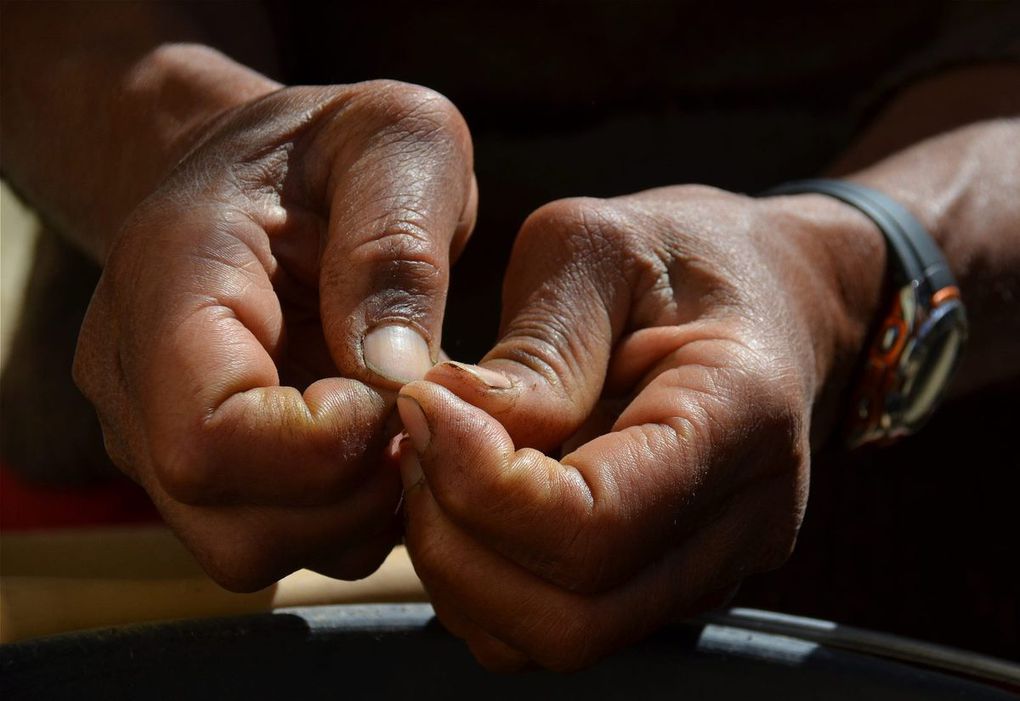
(257, 312)
(683, 343)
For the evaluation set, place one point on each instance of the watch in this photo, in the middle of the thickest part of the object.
(917, 345)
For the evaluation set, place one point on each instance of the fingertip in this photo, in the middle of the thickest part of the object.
(463, 458)
(531, 401)
(526, 404)
(452, 421)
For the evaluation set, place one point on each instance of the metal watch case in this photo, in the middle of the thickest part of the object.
(909, 364)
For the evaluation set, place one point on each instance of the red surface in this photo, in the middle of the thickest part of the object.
(29, 507)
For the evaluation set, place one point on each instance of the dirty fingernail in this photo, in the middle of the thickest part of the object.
(414, 422)
(397, 353)
(489, 378)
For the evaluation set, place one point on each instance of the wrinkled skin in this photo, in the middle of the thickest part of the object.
(223, 347)
(671, 351)
(674, 343)
(670, 345)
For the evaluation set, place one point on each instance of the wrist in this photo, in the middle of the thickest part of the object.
(162, 108)
(960, 187)
(836, 280)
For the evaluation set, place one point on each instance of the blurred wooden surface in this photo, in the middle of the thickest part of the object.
(64, 580)
(59, 581)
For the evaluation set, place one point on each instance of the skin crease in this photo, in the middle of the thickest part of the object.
(235, 371)
(701, 479)
(686, 345)
(205, 349)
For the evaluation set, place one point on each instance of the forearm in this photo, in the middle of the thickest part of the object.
(100, 103)
(963, 187)
(949, 148)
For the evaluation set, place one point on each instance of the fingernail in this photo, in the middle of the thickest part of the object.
(489, 378)
(410, 469)
(397, 352)
(415, 424)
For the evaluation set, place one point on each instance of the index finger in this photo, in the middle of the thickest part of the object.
(592, 518)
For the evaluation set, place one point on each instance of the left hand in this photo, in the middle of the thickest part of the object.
(258, 311)
(679, 346)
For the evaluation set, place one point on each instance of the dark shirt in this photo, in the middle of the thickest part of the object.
(607, 98)
(612, 97)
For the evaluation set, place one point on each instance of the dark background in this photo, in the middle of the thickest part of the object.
(607, 98)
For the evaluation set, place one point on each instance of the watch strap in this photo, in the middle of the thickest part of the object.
(916, 254)
(916, 344)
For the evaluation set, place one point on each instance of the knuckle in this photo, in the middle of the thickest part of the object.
(783, 421)
(403, 245)
(694, 428)
(586, 235)
(541, 339)
(769, 399)
(574, 219)
(567, 212)
(403, 258)
(402, 287)
(696, 193)
(241, 565)
(185, 472)
(414, 111)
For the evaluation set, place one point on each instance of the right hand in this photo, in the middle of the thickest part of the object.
(673, 349)
(258, 309)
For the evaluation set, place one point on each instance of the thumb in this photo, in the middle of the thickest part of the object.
(566, 298)
(401, 196)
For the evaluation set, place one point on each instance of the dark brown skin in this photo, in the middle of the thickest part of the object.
(252, 246)
(685, 345)
(682, 348)
(252, 358)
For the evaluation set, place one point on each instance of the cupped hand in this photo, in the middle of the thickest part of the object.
(260, 308)
(638, 440)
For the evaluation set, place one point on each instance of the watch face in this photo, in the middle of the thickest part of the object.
(930, 362)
